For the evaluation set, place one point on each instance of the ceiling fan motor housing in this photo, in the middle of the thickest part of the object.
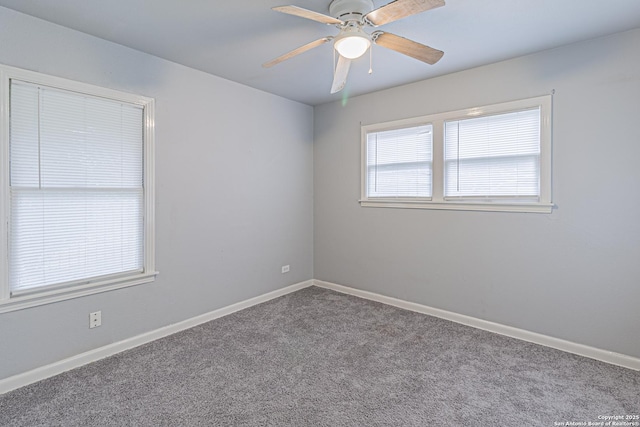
(350, 10)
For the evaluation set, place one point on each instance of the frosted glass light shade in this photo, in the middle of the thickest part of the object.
(353, 46)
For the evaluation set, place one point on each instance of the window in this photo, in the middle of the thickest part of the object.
(399, 162)
(494, 158)
(78, 189)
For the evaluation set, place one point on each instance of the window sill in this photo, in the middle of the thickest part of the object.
(57, 295)
(460, 206)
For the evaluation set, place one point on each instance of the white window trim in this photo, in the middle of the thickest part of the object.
(437, 200)
(47, 296)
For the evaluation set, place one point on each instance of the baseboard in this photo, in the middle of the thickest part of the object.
(61, 366)
(559, 344)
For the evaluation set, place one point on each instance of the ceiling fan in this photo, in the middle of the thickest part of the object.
(350, 16)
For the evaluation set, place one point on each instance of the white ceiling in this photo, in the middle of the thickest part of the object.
(232, 39)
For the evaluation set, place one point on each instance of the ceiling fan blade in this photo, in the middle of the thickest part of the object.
(407, 47)
(399, 9)
(341, 73)
(306, 13)
(297, 51)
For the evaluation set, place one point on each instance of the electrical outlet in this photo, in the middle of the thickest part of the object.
(285, 269)
(95, 319)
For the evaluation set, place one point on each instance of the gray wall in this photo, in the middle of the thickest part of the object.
(234, 194)
(573, 274)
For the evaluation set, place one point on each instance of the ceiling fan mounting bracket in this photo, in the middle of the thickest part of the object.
(350, 10)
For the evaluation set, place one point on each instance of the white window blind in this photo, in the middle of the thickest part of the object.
(399, 162)
(76, 188)
(494, 156)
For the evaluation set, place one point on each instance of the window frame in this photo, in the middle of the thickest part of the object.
(438, 200)
(49, 295)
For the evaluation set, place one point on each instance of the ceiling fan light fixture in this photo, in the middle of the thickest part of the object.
(352, 47)
(352, 42)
